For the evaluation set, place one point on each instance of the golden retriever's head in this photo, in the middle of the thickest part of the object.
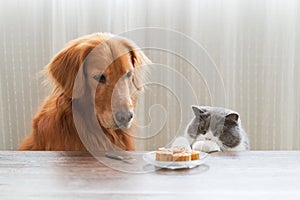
(105, 69)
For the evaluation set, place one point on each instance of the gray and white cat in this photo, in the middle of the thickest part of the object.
(215, 129)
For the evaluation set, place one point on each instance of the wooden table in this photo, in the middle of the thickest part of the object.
(77, 175)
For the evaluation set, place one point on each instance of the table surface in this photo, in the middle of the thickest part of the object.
(78, 175)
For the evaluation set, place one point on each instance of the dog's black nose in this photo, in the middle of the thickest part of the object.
(123, 117)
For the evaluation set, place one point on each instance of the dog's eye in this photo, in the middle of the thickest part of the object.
(129, 74)
(100, 78)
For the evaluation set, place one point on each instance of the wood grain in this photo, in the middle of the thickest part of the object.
(77, 175)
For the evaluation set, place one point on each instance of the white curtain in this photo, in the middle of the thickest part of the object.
(253, 44)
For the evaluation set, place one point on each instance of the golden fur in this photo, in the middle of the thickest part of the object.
(53, 126)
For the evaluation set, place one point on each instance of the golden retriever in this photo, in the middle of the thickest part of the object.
(104, 67)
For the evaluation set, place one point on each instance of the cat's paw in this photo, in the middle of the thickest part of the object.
(206, 146)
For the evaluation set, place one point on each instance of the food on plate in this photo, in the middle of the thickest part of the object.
(176, 154)
(163, 154)
(184, 156)
(195, 155)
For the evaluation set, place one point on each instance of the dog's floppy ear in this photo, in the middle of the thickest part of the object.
(138, 59)
(64, 68)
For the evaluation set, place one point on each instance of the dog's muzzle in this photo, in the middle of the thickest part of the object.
(123, 117)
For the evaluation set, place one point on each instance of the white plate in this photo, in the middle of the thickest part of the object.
(150, 158)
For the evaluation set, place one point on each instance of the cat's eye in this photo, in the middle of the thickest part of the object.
(100, 78)
(201, 130)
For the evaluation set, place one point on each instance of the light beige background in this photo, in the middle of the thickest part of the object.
(254, 43)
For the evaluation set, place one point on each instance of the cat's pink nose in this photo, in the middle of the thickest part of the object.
(207, 138)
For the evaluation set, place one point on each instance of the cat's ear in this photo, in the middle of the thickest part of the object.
(233, 117)
(198, 110)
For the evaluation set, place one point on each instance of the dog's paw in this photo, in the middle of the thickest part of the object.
(206, 146)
